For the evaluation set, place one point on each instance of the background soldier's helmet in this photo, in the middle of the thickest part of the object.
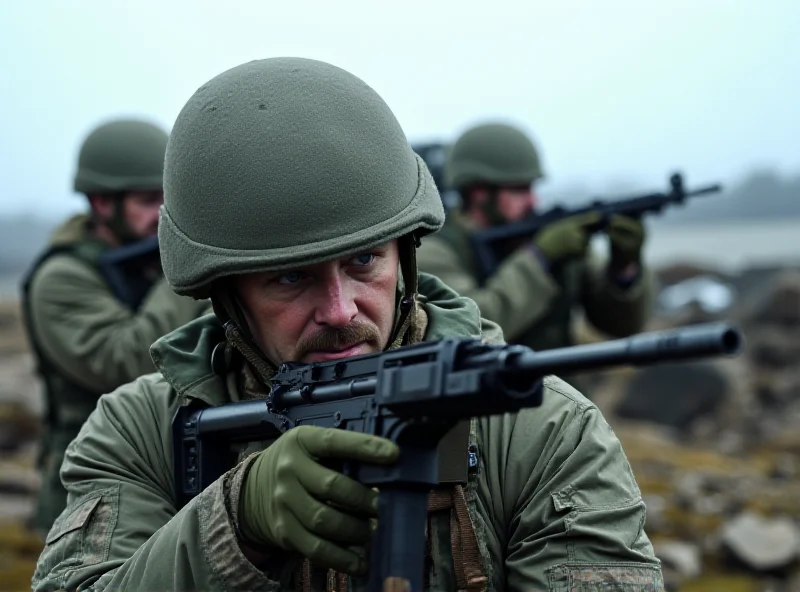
(122, 155)
(285, 162)
(493, 154)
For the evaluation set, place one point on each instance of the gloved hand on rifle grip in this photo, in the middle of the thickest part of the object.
(568, 238)
(286, 496)
(626, 236)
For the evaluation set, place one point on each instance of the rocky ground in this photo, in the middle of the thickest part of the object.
(714, 444)
(20, 409)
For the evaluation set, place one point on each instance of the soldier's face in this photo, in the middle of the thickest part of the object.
(141, 212)
(330, 310)
(514, 203)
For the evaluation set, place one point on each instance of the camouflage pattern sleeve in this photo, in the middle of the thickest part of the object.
(91, 336)
(615, 310)
(516, 296)
(562, 504)
(120, 529)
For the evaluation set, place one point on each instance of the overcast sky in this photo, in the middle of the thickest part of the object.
(609, 89)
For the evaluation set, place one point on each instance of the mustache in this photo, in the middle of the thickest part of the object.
(335, 338)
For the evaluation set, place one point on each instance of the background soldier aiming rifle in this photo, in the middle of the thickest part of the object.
(490, 244)
(529, 272)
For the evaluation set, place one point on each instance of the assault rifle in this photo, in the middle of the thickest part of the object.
(488, 244)
(123, 268)
(412, 395)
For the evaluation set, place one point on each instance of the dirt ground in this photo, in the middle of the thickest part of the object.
(20, 408)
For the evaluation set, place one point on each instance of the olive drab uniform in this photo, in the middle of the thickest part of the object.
(85, 341)
(550, 502)
(535, 306)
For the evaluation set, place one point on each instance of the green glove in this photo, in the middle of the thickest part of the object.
(287, 493)
(566, 239)
(626, 236)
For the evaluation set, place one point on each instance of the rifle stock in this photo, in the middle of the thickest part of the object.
(487, 242)
(412, 395)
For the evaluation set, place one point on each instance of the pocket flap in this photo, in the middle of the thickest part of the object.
(73, 520)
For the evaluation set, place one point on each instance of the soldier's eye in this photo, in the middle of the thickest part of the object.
(364, 259)
(290, 278)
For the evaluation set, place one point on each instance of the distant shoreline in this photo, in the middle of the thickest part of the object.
(727, 246)
(716, 221)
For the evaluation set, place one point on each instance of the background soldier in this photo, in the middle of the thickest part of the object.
(535, 291)
(86, 341)
(302, 269)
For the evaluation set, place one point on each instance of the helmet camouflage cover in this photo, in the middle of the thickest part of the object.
(492, 154)
(284, 162)
(122, 155)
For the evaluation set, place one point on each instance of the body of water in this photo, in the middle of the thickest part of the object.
(729, 247)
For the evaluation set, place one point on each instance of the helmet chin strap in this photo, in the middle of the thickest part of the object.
(237, 330)
(237, 334)
(117, 223)
(490, 209)
(407, 286)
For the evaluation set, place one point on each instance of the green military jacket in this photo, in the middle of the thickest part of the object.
(532, 306)
(87, 342)
(553, 502)
(95, 340)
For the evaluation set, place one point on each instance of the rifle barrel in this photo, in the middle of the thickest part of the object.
(685, 343)
(708, 339)
(636, 206)
(704, 190)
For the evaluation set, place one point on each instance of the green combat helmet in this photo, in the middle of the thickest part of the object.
(286, 162)
(120, 156)
(492, 154)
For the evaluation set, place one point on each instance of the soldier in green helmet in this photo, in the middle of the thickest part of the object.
(86, 341)
(535, 292)
(294, 201)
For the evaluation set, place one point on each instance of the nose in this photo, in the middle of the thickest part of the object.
(337, 306)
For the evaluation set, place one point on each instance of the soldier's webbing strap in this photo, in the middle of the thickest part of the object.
(56, 383)
(467, 560)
